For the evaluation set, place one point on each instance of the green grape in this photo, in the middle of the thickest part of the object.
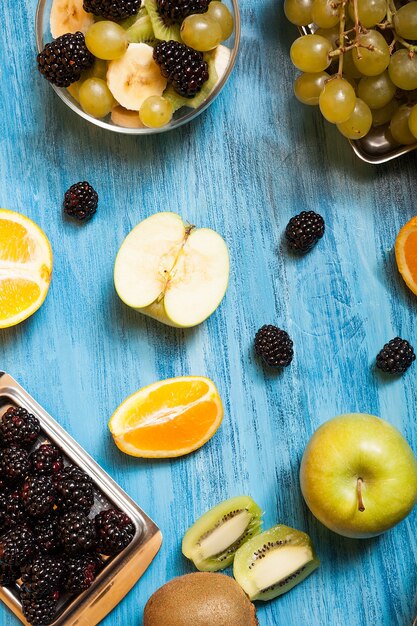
(106, 40)
(201, 32)
(376, 91)
(325, 13)
(375, 61)
(359, 123)
(331, 34)
(299, 12)
(96, 98)
(97, 70)
(370, 12)
(399, 126)
(383, 115)
(156, 112)
(221, 14)
(337, 100)
(349, 68)
(352, 81)
(403, 70)
(310, 53)
(405, 21)
(308, 87)
(412, 121)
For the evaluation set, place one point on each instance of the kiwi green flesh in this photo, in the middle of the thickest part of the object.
(162, 31)
(274, 562)
(200, 599)
(212, 541)
(129, 21)
(141, 31)
(178, 101)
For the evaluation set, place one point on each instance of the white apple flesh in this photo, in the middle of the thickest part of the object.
(358, 475)
(172, 272)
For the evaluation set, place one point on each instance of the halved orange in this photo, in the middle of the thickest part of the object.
(25, 267)
(406, 253)
(169, 418)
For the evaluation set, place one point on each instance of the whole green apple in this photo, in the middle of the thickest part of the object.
(358, 475)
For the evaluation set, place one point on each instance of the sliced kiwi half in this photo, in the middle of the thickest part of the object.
(274, 562)
(141, 31)
(166, 32)
(212, 541)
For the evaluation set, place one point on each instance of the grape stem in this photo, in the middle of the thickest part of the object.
(412, 49)
(342, 34)
(357, 26)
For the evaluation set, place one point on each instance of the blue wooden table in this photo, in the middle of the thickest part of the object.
(244, 168)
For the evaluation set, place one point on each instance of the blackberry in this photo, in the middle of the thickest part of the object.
(46, 460)
(8, 574)
(62, 61)
(274, 346)
(304, 230)
(81, 572)
(17, 545)
(115, 530)
(175, 11)
(76, 532)
(14, 464)
(112, 9)
(45, 532)
(39, 611)
(38, 495)
(396, 356)
(12, 512)
(18, 427)
(80, 201)
(43, 575)
(183, 67)
(75, 490)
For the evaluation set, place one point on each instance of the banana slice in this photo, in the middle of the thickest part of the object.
(135, 77)
(125, 118)
(68, 16)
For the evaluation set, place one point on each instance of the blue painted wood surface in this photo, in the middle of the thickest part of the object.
(244, 168)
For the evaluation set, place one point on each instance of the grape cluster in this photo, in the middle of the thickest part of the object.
(359, 65)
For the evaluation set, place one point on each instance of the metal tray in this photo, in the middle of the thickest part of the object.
(378, 146)
(122, 571)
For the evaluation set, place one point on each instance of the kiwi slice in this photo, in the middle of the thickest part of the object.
(162, 30)
(129, 21)
(178, 101)
(213, 539)
(274, 562)
(141, 31)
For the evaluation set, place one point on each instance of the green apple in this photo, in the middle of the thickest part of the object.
(171, 271)
(358, 475)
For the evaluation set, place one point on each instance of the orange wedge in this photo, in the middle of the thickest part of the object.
(406, 253)
(25, 267)
(169, 418)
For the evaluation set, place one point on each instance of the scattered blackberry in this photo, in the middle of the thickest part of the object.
(396, 356)
(81, 572)
(76, 532)
(18, 427)
(12, 511)
(183, 67)
(45, 532)
(43, 575)
(8, 574)
(115, 530)
(175, 11)
(304, 230)
(112, 9)
(14, 464)
(80, 201)
(38, 495)
(274, 346)
(39, 611)
(62, 61)
(46, 460)
(75, 490)
(17, 545)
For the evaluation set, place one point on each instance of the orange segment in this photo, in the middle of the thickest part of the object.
(169, 418)
(406, 253)
(25, 267)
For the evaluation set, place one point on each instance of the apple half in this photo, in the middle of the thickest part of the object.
(172, 271)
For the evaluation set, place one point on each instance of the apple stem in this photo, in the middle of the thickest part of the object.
(361, 506)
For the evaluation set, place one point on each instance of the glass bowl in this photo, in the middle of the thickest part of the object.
(182, 116)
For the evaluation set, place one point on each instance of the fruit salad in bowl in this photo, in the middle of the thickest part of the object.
(137, 66)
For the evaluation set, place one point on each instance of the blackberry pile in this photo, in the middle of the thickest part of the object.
(183, 67)
(62, 61)
(50, 543)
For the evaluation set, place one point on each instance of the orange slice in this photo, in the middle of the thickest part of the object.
(169, 418)
(25, 267)
(406, 253)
